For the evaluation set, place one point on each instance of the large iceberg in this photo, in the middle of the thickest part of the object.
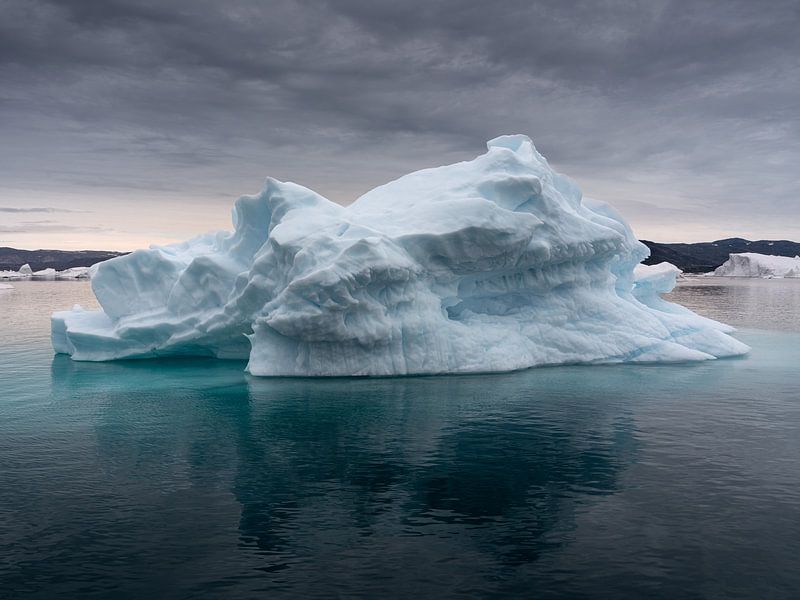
(493, 264)
(751, 264)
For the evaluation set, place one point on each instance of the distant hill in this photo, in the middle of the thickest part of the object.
(12, 259)
(703, 257)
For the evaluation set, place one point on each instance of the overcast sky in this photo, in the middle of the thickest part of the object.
(125, 123)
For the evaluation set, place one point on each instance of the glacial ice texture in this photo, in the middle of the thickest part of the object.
(751, 264)
(493, 264)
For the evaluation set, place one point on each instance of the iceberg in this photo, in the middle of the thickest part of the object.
(493, 264)
(44, 275)
(25, 272)
(74, 273)
(751, 264)
(650, 281)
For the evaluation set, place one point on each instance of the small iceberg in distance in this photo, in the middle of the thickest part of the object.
(493, 264)
(25, 273)
(751, 264)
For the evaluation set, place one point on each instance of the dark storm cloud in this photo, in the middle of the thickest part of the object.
(690, 107)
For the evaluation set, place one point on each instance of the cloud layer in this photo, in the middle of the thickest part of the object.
(35, 209)
(683, 115)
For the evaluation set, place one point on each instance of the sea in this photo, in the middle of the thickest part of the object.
(187, 478)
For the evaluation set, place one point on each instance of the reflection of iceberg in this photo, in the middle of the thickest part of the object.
(286, 473)
(416, 462)
(44, 275)
(544, 482)
(489, 265)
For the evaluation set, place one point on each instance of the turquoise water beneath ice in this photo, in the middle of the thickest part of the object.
(189, 479)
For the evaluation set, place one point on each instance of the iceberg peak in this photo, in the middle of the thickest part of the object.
(516, 142)
(521, 145)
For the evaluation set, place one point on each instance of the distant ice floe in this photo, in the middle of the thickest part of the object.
(494, 264)
(751, 264)
(25, 273)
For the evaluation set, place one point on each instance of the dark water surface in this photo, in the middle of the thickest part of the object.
(189, 479)
(772, 304)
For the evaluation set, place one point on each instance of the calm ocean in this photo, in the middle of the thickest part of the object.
(190, 479)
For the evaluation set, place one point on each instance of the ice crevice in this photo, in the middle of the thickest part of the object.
(493, 264)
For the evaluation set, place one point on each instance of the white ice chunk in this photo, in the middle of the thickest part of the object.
(74, 273)
(25, 272)
(44, 274)
(751, 264)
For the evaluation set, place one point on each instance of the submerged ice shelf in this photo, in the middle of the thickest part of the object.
(493, 264)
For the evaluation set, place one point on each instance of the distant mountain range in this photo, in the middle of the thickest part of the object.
(703, 257)
(12, 259)
(692, 258)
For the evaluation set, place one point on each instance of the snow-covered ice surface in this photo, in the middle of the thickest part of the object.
(751, 264)
(6, 286)
(493, 264)
(74, 273)
(26, 273)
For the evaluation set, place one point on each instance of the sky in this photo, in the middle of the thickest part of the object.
(126, 123)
